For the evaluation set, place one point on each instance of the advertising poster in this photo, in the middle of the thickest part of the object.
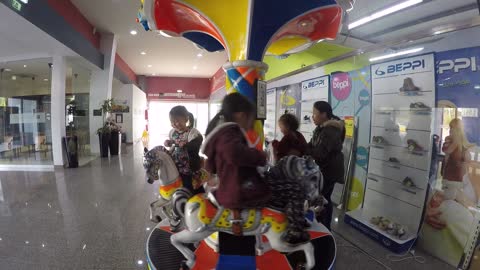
(351, 96)
(313, 90)
(451, 225)
(288, 101)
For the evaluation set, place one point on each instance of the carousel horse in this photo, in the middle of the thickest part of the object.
(172, 196)
(204, 216)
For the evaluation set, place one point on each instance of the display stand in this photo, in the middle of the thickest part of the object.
(403, 95)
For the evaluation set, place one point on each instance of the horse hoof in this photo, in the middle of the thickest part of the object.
(184, 266)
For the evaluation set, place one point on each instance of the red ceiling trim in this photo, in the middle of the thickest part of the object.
(125, 68)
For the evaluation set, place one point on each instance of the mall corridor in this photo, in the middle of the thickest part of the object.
(96, 217)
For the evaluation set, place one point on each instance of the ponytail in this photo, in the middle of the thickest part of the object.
(191, 120)
(217, 120)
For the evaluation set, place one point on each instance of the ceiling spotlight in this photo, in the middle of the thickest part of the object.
(24, 66)
(143, 53)
(14, 77)
(195, 67)
(477, 86)
(45, 80)
(149, 66)
(179, 91)
(7, 70)
(154, 74)
(383, 13)
(199, 55)
(133, 32)
(392, 55)
(139, 262)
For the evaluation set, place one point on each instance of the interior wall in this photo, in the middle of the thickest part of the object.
(134, 120)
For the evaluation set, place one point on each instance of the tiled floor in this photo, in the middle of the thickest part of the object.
(96, 217)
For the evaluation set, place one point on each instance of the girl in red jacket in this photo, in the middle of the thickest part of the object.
(235, 162)
(293, 142)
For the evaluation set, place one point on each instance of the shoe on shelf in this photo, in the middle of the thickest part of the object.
(419, 105)
(413, 145)
(408, 182)
(393, 160)
(409, 86)
(379, 140)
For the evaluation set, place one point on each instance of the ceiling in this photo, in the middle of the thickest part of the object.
(176, 57)
(17, 36)
(179, 57)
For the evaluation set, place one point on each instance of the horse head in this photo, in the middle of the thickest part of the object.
(159, 165)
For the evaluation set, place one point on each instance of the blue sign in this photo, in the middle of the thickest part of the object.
(458, 86)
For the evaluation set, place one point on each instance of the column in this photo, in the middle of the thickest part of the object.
(59, 73)
(101, 87)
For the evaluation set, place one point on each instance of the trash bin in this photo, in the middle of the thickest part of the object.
(115, 141)
(70, 144)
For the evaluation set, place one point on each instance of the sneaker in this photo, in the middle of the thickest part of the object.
(419, 105)
(409, 86)
(413, 145)
(296, 238)
(379, 140)
(393, 160)
(408, 182)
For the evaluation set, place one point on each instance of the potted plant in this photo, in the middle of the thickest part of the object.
(104, 133)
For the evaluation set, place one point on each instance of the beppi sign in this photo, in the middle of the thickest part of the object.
(315, 83)
(457, 65)
(405, 66)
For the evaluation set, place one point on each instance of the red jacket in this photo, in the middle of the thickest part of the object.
(291, 144)
(235, 163)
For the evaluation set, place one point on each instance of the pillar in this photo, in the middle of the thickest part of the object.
(59, 73)
(241, 77)
(101, 87)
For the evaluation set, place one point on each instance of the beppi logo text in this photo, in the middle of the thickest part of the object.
(313, 84)
(412, 65)
(457, 65)
(340, 85)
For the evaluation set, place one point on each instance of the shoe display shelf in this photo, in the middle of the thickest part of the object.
(400, 151)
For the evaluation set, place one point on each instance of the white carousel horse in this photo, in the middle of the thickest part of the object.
(204, 216)
(172, 196)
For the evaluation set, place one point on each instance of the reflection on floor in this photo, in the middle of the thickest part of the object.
(96, 217)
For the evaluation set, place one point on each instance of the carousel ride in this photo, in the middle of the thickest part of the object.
(195, 243)
(247, 30)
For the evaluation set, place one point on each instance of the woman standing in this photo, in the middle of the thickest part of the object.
(326, 148)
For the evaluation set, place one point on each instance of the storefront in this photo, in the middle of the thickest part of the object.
(402, 112)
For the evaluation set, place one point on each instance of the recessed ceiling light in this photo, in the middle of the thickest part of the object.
(139, 262)
(133, 32)
(7, 70)
(45, 80)
(154, 74)
(199, 55)
(179, 91)
(195, 67)
(149, 66)
(143, 53)
(400, 53)
(477, 86)
(24, 66)
(14, 77)
(383, 13)
(24, 1)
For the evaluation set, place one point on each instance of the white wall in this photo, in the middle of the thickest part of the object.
(133, 121)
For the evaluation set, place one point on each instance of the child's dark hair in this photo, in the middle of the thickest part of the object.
(232, 103)
(181, 111)
(290, 121)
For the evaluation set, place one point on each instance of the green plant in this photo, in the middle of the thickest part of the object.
(105, 129)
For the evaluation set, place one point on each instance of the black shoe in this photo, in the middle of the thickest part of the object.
(296, 238)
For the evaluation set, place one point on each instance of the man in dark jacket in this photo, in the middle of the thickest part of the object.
(326, 148)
